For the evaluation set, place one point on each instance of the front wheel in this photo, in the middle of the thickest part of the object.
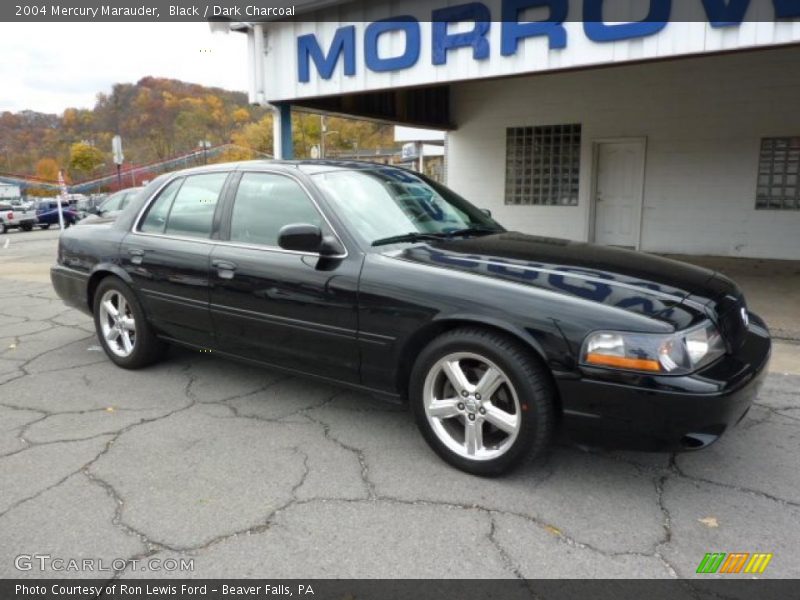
(122, 328)
(482, 401)
(45, 226)
(26, 227)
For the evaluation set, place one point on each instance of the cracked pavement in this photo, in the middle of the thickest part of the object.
(252, 473)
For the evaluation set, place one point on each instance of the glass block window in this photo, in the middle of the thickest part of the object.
(543, 165)
(778, 171)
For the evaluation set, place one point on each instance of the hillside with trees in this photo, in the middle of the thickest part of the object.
(159, 119)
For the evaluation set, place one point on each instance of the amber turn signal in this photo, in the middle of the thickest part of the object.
(623, 362)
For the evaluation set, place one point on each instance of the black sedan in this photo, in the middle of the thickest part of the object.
(380, 279)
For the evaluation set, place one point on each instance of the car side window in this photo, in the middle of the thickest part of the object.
(265, 203)
(193, 208)
(113, 202)
(156, 218)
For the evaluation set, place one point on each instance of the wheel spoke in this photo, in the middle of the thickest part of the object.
(112, 334)
(110, 308)
(501, 419)
(473, 437)
(490, 426)
(122, 305)
(126, 341)
(128, 323)
(444, 409)
(455, 374)
(489, 383)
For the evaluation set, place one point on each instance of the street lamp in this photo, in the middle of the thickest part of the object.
(323, 132)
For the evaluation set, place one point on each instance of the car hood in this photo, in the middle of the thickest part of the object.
(649, 285)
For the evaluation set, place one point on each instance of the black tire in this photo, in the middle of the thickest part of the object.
(26, 227)
(147, 348)
(4, 228)
(45, 226)
(524, 371)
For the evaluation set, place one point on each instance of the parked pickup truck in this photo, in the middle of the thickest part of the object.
(12, 217)
(47, 213)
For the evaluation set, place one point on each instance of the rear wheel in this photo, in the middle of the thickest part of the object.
(4, 228)
(123, 330)
(45, 226)
(26, 227)
(482, 401)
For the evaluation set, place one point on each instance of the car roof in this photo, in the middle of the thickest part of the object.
(122, 191)
(307, 166)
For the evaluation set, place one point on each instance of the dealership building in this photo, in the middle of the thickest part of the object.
(667, 135)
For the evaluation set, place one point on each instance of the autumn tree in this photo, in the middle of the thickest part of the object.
(84, 158)
(161, 118)
(47, 170)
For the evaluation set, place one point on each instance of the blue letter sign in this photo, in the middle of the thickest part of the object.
(514, 31)
(597, 31)
(408, 59)
(308, 48)
(443, 41)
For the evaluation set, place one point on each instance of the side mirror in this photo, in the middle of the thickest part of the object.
(300, 237)
(487, 212)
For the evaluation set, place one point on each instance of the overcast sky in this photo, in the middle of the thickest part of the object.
(48, 67)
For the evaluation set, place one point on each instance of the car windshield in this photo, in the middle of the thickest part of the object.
(384, 204)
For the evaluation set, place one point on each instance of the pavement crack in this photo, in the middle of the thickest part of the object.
(504, 556)
(362, 459)
(22, 501)
(678, 472)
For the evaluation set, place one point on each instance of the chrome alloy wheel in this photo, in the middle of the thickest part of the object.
(472, 406)
(117, 323)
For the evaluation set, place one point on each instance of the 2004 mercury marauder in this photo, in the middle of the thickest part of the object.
(378, 278)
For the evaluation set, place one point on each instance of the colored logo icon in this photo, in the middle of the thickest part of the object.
(735, 562)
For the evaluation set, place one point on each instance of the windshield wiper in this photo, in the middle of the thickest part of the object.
(414, 236)
(473, 231)
(418, 236)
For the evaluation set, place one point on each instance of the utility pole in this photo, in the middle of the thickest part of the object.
(323, 129)
(205, 145)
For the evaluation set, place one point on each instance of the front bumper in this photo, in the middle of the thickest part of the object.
(667, 412)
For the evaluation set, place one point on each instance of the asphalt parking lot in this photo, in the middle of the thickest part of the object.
(251, 473)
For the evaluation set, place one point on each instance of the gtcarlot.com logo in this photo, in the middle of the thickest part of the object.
(735, 562)
(46, 562)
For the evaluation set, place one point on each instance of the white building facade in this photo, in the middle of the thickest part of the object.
(667, 136)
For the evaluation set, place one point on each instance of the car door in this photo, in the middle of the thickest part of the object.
(167, 256)
(291, 309)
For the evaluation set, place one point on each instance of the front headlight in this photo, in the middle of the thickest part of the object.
(673, 354)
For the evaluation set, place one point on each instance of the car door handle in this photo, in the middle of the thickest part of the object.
(224, 264)
(224, 268)
(136, 255)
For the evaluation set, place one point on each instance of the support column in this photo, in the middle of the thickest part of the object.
(282, 145)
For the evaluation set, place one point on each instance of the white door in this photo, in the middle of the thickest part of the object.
(618, 192)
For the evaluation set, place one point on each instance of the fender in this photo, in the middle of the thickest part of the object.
(99, 271)
(482, 320)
